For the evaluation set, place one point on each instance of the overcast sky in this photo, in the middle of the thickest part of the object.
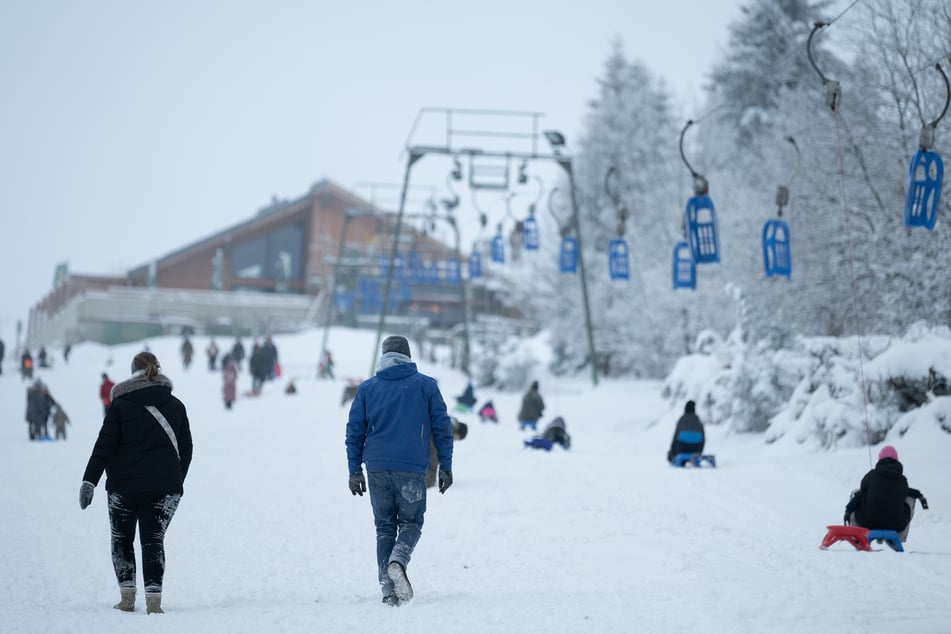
(128, 129)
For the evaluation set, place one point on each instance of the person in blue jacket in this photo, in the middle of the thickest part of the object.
(688, 436)
(392, 417)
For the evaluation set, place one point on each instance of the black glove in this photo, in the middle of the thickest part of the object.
(445, 480)
(845, 520)
(85, 494)
(358, 484)
(924, 502)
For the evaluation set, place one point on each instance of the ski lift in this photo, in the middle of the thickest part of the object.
(453, 275)
(700, 216)
(833, 91)
(530, 233)
(777, 258)
(925, 173)
(568, 252)
(619, 267)
(568, 255)
(475, 265)
(684, 267)
(498, 246)
(530, 238)
(618, 260)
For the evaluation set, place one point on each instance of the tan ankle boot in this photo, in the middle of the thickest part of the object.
(127, 601)
(153, 603)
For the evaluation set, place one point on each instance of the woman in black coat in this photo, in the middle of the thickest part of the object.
(884, 501)
(145, 448)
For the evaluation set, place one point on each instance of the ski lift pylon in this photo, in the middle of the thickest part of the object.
(926, 173)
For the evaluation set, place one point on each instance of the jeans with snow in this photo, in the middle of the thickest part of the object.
(152, 512)
(398, 499)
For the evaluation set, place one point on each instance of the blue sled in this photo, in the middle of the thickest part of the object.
(889, 537)
(539, 443)
(695, 459)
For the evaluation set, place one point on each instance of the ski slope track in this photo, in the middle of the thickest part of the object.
(606, 537)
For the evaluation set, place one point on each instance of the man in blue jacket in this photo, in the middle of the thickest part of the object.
(392, 417)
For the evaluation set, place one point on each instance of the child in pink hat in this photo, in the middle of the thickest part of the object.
(884, 501)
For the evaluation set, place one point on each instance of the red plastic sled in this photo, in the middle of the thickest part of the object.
(855, 535)
(862, 538)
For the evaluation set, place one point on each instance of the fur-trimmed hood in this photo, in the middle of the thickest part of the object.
(138, 382)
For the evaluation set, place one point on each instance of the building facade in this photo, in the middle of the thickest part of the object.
(297, 263)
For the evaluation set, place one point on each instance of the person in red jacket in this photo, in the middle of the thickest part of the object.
(105, 392)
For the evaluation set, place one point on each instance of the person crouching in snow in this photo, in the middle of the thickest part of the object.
(555, 433)
(688, 435)
(487, 412)
(884, 501)
(459, 431)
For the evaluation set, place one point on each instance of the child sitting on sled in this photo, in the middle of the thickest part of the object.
(884, 501)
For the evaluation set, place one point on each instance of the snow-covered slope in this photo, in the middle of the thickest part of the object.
(603, 538)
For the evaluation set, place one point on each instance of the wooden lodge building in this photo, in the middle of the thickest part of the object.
(270, 273)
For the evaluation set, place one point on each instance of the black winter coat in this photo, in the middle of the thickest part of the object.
(688, 437)
(532, 406)
(880, 503)
(133, 448)
(38, 404)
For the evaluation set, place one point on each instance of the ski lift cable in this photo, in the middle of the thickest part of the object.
(847, 9)
(947, 100)
(832, 99)
(799, 48)
(931, 64)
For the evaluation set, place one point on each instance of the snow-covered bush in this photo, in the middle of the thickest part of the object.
(812, 392)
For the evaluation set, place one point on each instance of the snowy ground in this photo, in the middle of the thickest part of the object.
(604, 538)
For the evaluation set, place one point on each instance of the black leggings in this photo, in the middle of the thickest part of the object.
(152, 512)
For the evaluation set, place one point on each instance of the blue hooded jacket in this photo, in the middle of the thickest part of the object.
(392, 417)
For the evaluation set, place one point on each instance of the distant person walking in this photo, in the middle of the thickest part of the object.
(258, 365)
(39, 403)
(3, 350)
(270, 359)
(237, 352)
(229, 380)
(212, 352)
(105, 392)
(392, 417)
(187, 351)
(532, 408)
(145, 448)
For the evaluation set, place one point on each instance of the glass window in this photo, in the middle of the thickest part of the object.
(286, 245)
(249, 259)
